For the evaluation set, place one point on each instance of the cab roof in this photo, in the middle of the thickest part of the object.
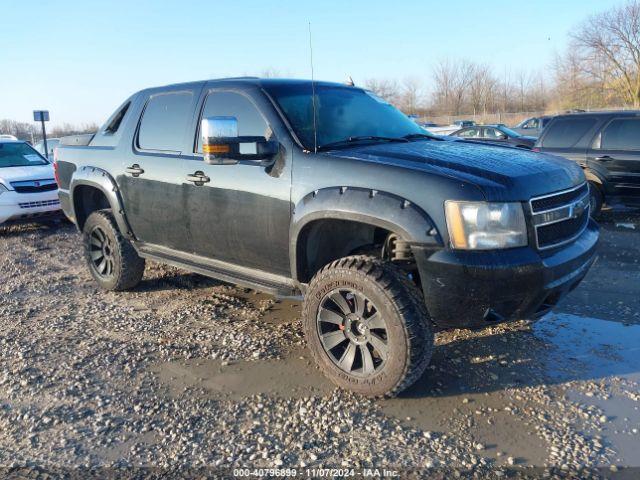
(255, 81)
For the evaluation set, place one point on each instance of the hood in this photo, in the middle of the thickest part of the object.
(16, 174)
(502, 173)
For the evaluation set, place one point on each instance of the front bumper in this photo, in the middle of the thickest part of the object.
(18, 207)
(473, 289)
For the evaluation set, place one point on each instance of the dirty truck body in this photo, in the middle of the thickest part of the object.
(424, 232)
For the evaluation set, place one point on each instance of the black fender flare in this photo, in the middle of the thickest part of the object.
(372, 207)
(594, 176)
(101, 179)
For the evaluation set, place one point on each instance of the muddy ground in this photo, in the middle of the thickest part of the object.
(185, 371)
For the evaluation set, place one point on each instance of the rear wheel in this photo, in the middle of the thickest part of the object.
(596, 199)
(113, 262)
(367, 327)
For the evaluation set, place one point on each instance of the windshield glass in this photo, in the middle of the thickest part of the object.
(342, 113)
(19, 155)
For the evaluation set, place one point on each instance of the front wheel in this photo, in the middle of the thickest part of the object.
(367, 326)
(113, 262)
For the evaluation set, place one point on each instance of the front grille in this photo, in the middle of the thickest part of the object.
(561, 217)
(548, 235)
(44, 203)
(558, 200)
(35, 186)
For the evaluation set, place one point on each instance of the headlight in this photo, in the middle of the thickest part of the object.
(3, 189)
(485, 226)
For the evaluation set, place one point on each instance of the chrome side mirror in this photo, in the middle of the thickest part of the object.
(222, 145)
(219, 137)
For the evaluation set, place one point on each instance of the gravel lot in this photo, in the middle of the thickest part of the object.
(187, 372)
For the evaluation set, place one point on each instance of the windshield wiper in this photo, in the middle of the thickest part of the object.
(411, 136)
(361, 138)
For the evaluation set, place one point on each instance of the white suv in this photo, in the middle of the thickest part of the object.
(28, 189)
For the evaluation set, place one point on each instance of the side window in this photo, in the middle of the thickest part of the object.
(117, 119)
(492, 133)
(230, 104)
(621, 134)
(566, 132)
(164, 121)
(470, 133)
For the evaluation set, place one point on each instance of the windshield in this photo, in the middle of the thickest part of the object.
(19, 155)
(343, 113)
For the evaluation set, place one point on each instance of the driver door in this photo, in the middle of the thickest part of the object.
(242, 214)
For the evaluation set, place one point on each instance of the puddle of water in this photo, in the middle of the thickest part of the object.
(293, 377)
(602, 351)
(590, 348)
(469, 384)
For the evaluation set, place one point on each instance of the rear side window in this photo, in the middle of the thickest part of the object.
(230, 104)
(164, 121)
(621, 134)
(117, 119)
(566, 132)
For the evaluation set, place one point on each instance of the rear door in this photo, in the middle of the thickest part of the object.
(152, 180)
(242, 213)
(615, 155)
(569, 137)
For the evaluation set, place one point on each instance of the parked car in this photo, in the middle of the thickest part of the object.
(449, 129)
(5, 136)
(388, 232)
(52, 143)
(533, 126)
(28, 190)
(495, 134)
(464, 123)
(607, 146)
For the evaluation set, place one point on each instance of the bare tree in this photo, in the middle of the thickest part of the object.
(482, 86)
(451, 83)
(608, 49)
(21, 130)
(411, 95)
(384, 88)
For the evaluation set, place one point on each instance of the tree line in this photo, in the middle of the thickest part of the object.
(32, 132)
(599, 68)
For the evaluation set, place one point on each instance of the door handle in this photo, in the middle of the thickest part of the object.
(604, 158)
(134, 170)
(199, 178)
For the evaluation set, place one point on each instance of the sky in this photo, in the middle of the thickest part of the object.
(81, 58)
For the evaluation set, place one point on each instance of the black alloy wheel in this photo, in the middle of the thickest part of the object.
(101, 252)
(353, 332)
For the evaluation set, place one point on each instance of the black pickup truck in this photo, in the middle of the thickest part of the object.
(327, 191)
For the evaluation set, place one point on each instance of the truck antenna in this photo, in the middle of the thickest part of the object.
(313, 95)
